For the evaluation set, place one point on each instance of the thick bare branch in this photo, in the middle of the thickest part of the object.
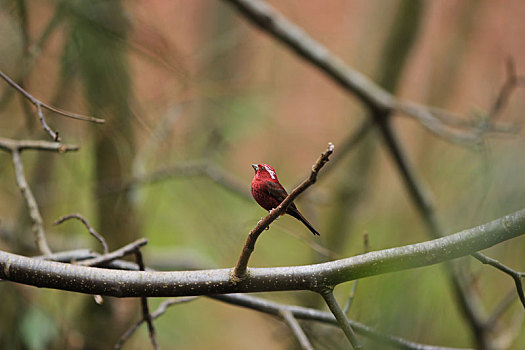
(102, 281)
(254, 303)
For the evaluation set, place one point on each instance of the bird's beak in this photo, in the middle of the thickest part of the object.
(255, 167)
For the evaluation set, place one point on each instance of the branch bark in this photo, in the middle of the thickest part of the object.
(48, 274)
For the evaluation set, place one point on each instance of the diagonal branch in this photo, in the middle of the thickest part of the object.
(367, 91)
(239, 272)
(39, 104)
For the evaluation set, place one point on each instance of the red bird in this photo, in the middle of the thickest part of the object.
(269, 193)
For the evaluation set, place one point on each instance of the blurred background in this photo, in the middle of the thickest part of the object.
(193, 94)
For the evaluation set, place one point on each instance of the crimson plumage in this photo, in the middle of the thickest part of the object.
(269, 193)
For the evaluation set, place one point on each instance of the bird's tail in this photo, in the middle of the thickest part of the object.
(296, 214)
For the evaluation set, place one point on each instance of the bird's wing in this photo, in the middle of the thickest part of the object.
(276, 190)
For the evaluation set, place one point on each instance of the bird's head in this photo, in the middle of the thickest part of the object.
(264, 171)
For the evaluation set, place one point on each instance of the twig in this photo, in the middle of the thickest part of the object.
(117, 254)
(239, 272)
(77, 255)
(329, 298)
(51, 132)
(160, 310)
(144, 302)
(15, 147)
(68, 255)
(91, 230)
(34, 212)
(516, 276)
(39, 104)
(350, 297)
(296, 329)
(20, 145)
(350, 300)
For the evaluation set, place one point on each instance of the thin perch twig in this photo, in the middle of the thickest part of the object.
(239, 272)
